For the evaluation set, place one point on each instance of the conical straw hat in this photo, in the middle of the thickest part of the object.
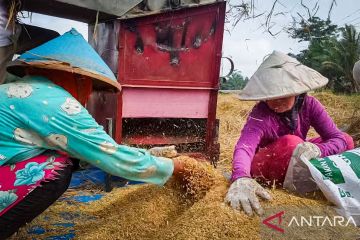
(356, 72)
(281, 76)
(69, 52)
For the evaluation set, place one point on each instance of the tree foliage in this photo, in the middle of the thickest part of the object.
(332, 51)
(268, 18)
(313, 29)
(235, 82)
(342, 56)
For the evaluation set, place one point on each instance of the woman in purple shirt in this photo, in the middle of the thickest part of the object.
(277, 127)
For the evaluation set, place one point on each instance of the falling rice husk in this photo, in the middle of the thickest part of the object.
(196, 211)
(197, 178)
(152, 212)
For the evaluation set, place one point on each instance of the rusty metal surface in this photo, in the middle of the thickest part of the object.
(81, 10)
(174, 49)
(103, 105)
(106, 42)
(160, 140)
(112, 7)
(152, 131)
(86, 10)
(151, 7)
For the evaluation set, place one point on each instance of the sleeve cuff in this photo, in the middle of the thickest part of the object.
(165, 170)
(239, 174)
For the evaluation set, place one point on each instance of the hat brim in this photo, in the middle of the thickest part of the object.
(280, 76)
(100, 82)
(244, 97)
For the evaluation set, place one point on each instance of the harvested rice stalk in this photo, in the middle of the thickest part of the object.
(151, 212)
(196, 179)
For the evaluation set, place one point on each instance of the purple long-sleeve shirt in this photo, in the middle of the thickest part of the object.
(264, 126)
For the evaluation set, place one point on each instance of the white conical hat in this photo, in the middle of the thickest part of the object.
(281, 76)
(356, 72)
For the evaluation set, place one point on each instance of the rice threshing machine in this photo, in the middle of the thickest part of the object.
(166, 55)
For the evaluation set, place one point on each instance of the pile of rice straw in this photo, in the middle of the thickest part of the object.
(345, 110)
(196, 211)
(196, 180)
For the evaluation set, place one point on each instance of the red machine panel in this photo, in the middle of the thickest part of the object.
(175, 49)
(168, 66)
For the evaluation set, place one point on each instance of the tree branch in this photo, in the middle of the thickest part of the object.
(331, 7)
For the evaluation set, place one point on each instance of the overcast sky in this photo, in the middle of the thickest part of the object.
(247, 43)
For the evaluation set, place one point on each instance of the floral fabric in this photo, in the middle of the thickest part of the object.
(19, 179)
(37, 115)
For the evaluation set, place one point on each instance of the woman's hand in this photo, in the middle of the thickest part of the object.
(178, 167)
(243, 193)
(306, 151)
(167, 151)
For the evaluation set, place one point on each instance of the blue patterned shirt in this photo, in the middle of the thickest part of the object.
(36, 115)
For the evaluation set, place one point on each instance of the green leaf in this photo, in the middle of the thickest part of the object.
(50, 166)
(12, 167)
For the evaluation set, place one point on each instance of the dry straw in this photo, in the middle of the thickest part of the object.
(196, 211)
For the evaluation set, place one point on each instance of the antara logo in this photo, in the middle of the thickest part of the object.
(276, 227)
(274, 221)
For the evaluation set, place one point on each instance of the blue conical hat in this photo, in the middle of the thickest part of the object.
(69, 52)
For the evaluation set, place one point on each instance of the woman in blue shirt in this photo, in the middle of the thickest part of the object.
(43, 110)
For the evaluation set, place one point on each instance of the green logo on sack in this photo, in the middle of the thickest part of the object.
(353, 160)
(328, 169)
(344, 193)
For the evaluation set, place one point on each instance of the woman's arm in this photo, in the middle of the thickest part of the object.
(70, 128)
(246, 147)
(333, 140)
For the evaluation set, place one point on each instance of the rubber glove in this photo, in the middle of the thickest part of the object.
(167, 151)
(243, 193)
(306, 151)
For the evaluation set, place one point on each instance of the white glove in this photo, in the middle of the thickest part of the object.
(244, 192)
(167, 151)
(306, 151)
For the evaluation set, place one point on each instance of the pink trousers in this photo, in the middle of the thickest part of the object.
(270, 164)
(18, 180)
